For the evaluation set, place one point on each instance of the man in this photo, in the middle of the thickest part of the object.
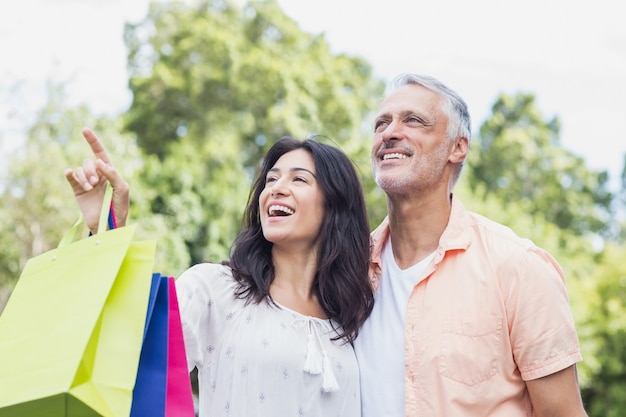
(470, 319)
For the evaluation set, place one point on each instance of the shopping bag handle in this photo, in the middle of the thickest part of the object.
(106, 212)
(107, 218)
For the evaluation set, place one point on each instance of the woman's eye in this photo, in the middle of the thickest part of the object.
(269, 179)
(301, 179)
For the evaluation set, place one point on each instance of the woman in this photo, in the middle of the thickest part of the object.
(271, 329)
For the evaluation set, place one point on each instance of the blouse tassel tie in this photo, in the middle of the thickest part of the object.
(317, 360)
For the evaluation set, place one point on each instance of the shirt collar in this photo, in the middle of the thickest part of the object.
(456, 236)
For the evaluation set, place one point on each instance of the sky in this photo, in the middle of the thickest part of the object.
(571, 54)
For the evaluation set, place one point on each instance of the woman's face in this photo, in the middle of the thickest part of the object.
(292, 203)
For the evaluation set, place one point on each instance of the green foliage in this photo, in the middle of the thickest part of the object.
(37, 206)
(604, 334)
(213, 86)
(519, 159)
(619, 210)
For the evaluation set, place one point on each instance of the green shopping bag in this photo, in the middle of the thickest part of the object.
(71, 332)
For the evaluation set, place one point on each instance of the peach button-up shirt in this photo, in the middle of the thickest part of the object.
(489, 312)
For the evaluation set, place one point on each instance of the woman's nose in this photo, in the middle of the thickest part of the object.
(279, 188)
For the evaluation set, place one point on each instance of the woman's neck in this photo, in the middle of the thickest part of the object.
(292, 287)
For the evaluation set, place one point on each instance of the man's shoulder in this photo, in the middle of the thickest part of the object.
(495, 231)
(500, 243)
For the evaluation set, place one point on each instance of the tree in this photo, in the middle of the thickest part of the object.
(619, 210)
(36, 210)
(603, 332)
(36, 204)
(213, 86)
(519, 158)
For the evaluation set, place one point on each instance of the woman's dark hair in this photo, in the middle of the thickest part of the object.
(341, 282)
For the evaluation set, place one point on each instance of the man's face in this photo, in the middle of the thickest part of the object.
(411, 149)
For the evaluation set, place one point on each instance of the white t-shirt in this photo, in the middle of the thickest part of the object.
(261, 360)
(380, 344)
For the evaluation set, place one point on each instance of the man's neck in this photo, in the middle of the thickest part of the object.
(416, 226)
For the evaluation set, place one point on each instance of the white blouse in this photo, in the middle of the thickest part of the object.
(262, 360)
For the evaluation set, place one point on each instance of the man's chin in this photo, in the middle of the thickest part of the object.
(391, 184)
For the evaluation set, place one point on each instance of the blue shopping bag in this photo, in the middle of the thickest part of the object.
(163, 386)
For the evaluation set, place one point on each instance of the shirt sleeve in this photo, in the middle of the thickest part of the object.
(543, 335)
(201, 290)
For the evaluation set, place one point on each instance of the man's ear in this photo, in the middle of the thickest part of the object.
(460, 150)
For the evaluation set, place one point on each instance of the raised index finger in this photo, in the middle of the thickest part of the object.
(96, 146)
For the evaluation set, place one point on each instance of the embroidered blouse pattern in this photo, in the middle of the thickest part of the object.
(262, 360)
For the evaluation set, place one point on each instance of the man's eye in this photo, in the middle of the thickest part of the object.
(380, 125)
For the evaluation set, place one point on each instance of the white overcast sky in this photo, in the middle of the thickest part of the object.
(570, 53)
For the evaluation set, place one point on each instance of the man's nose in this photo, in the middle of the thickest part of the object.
(392, 132)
